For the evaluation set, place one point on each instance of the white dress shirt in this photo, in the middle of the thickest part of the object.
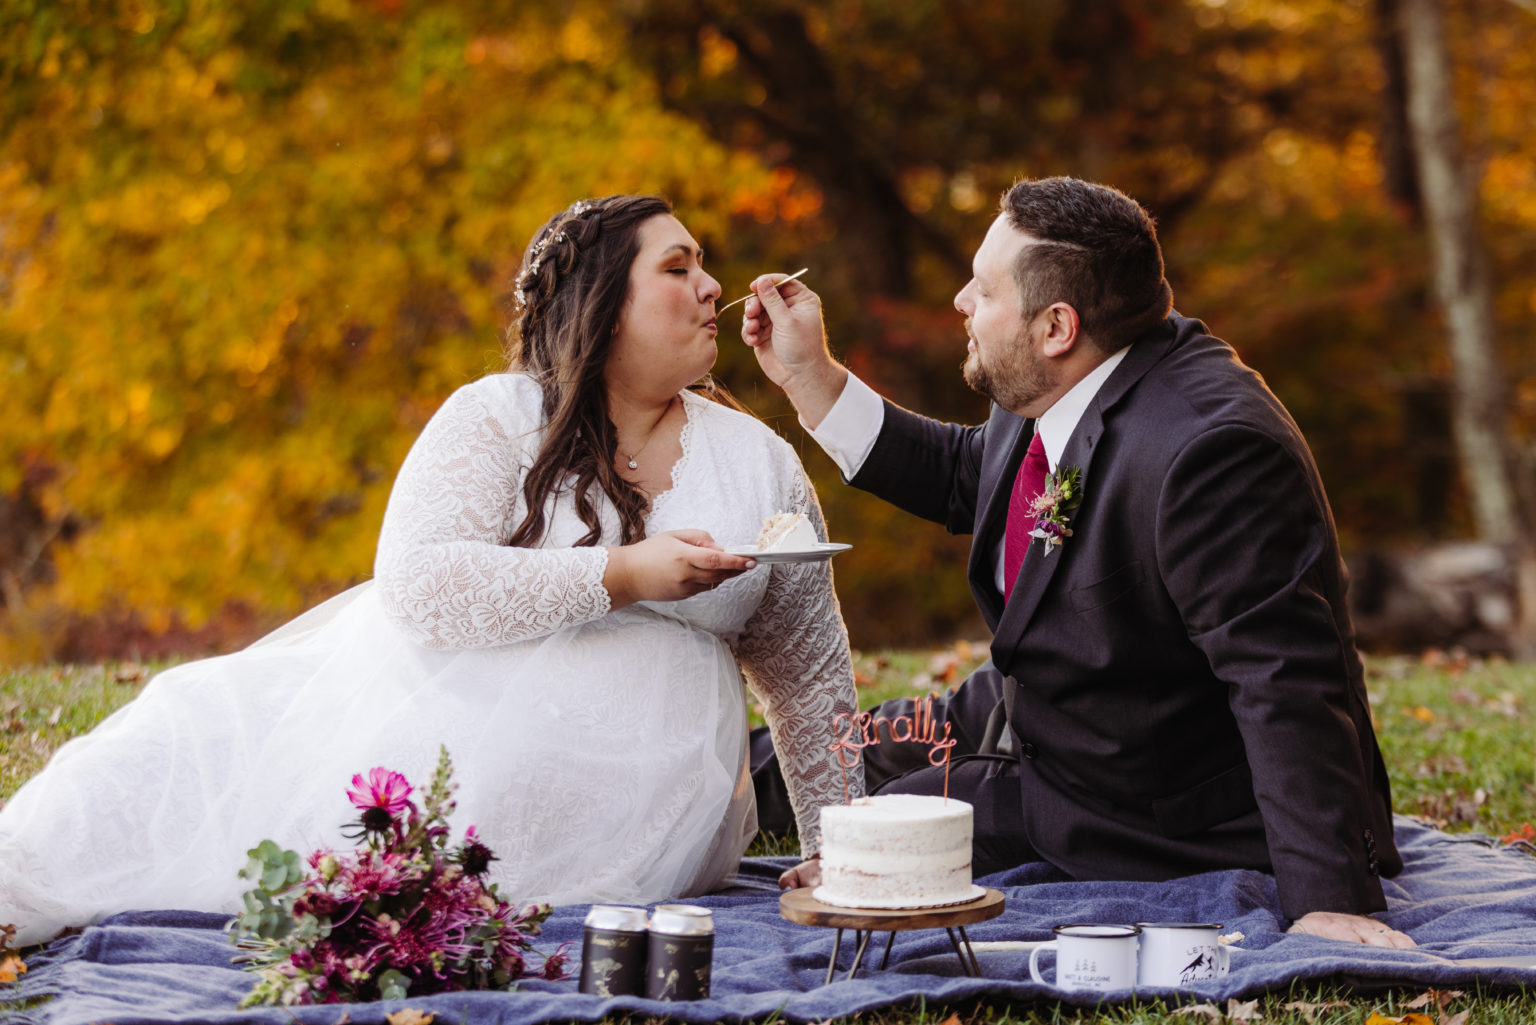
(848, 431)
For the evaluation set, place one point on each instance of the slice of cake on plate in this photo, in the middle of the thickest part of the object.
(786, 532)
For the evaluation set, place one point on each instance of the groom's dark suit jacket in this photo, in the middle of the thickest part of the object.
(1182, 676)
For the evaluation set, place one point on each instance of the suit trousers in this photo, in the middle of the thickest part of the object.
(983, 769)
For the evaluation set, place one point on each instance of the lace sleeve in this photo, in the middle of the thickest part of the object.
(444, 572)
(794, 652)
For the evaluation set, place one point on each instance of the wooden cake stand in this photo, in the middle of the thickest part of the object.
(800, 907)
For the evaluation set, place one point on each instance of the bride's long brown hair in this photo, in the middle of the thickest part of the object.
(569, 295)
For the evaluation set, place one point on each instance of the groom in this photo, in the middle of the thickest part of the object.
(1174, 686)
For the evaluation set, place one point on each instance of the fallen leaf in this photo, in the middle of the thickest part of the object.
(1459, 1018)
(1422, 714)
(1442, 765)
(1411, 1018)
(130, 672)
(953, 1019)
(409, 1016)
(1211, 1011)
(1451, 806)
(1438, 997)
(1311, 1011)
(10, 967)
(1244, 1012)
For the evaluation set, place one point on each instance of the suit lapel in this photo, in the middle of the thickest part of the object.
(1008, 438)
(1039, 568)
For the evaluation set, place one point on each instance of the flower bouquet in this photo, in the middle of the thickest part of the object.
(402, 913)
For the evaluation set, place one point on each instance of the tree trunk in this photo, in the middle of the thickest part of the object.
(1463, 284)
(1401, 181)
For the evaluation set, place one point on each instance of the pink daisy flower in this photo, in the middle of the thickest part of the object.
(381, 789)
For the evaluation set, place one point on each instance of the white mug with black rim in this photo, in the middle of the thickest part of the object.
(1090, 957)
(1177, 955)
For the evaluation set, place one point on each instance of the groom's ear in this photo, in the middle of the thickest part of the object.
(1061, 329)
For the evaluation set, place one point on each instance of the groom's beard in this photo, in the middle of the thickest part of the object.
(1015, 381)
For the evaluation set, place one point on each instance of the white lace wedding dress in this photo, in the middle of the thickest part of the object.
(601, 753)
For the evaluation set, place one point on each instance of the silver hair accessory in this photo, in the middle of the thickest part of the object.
(534, 265)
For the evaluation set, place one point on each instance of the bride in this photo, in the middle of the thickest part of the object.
(551, 601)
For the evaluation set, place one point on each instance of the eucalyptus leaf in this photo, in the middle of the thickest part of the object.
(392, 985)
(274, 876)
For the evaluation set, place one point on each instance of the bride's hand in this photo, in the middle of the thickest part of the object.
(807, 873)
(669, 567)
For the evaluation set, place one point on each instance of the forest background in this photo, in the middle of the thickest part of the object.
(247, 248)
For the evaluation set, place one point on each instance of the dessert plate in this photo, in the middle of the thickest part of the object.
(816, 553)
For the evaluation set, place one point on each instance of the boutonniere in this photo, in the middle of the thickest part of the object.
(1063, 493)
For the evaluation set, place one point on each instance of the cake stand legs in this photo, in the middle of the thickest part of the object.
(837, 946)
(963, 948)
(859, 954)
(890, 938)
(862, 939)
(970, 950)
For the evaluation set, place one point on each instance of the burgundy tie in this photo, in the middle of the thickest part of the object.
(1026, 486)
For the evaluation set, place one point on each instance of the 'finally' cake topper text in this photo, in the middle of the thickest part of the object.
(863, 730)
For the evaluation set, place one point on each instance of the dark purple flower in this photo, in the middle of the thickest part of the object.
(474, 856)
(554, 964)
(317, 904)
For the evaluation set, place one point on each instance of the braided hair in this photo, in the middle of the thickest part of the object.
(569, 296)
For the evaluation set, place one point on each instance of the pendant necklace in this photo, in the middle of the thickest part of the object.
(633, 459)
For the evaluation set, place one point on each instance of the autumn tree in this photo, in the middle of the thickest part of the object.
(245, 251)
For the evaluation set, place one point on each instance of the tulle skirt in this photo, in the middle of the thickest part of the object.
(603, 763)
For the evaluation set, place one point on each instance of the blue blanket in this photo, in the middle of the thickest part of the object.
(1469, 904)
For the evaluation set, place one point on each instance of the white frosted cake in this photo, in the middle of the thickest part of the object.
(786, 532)
(896, 851)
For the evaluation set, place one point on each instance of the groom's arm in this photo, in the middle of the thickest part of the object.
(1245, 550)
(928, 468)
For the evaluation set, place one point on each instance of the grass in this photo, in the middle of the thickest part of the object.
(1457, 735)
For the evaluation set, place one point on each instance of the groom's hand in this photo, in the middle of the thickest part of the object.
(783, 327)
(1351, 928)
(807, 873)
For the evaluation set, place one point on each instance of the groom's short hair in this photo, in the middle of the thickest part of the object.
(1094, 248)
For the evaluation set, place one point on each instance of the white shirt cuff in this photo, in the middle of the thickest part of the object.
(848, 432)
